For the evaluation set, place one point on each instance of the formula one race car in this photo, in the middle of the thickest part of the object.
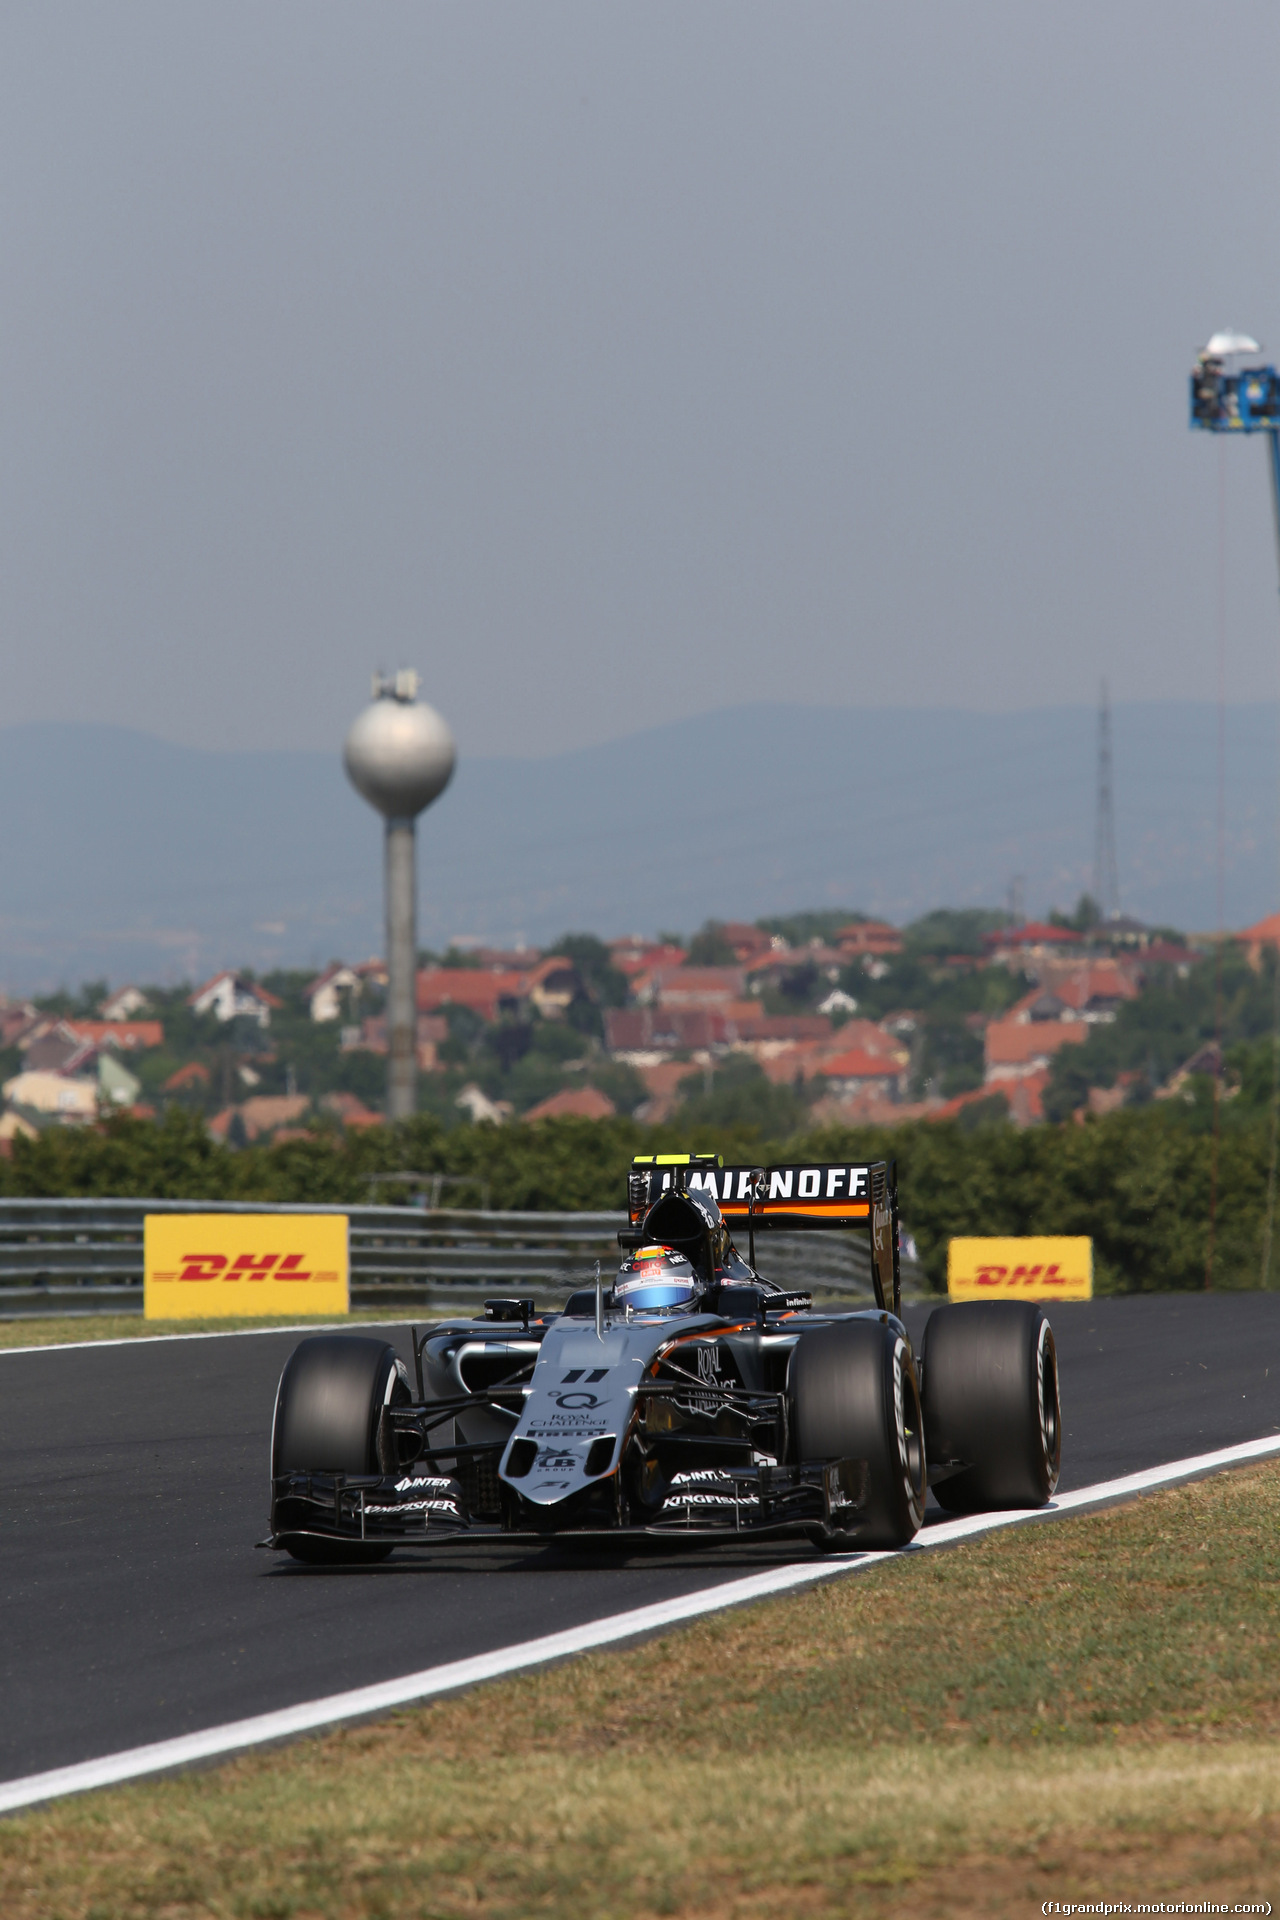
(688, 1397)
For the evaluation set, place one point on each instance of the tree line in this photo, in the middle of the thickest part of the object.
(1137, 1181)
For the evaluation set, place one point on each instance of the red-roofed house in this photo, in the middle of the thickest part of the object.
(487, 994)
(1164, 953)
(1092, 989)
(662, 1083)
(504, 959)
(1264, 933)
(952, 1109)
(867, 1035)
(351, 1110)
(858, 1072)
(657, 1030)
(575, 1103)
(642, 956)
(1025, 1041)
(1026, 1098)
(264, 1113)
(788, 1065)
(1031, 941)
(870, 1061)
(774, 968)
(193, 1075)
(775, 1033)
(689, 988)
(868, 936)
(18, 1018)
(748, 942)
(131, 1036)
(58, 1050)
(553, 985)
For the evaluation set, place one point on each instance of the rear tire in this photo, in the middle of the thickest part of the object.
(991, 1399)
(854, 1396)
(328, 1419)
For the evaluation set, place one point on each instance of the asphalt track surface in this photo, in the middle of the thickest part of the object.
(133, 1484)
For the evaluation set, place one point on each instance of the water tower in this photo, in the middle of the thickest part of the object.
(399, 755)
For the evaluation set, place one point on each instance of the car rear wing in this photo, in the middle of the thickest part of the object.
(862, 1196)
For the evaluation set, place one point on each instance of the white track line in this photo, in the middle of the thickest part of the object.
(309, 1716)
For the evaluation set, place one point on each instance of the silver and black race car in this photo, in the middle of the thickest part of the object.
(689, 1396)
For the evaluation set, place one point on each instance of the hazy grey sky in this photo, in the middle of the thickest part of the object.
(614, 362)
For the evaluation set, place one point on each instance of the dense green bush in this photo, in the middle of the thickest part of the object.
(1137, 1181)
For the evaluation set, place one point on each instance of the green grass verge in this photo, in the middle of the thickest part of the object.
(65, 1328)
(1075, 1711)
(61, 1329)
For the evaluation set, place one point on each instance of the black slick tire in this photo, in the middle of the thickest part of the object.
(991, 1400)
(853, 1396)
(328, 1418)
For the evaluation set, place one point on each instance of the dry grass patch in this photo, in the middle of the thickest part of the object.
(1072, 1711)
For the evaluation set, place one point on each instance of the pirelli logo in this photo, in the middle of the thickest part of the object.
(1034, 1268)
(219, 1265)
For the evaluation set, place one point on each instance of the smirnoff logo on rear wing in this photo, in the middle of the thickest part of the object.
(783, 1184)
(818, 1195)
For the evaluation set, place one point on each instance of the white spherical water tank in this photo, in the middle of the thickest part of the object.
(400, 752)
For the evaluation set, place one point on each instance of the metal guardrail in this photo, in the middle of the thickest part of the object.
(85, 1256)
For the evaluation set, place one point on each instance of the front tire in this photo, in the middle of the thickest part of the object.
(854, 1396)
(328, 1419)
(991, 1399)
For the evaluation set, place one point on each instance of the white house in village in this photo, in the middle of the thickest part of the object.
(124, 1004)
(229, 996)
(476, 1103)
(324, 995)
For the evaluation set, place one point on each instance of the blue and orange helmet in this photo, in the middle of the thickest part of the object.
(656, 1277)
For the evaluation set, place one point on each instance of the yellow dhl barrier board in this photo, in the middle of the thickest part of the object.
(1031, 1268)
(217, 1265)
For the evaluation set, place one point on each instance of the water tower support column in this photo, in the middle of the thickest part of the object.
(399, 755)
(402, 970)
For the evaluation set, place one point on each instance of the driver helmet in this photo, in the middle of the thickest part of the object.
(655, 1276)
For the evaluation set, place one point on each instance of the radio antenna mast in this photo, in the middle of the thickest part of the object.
(1106, 880)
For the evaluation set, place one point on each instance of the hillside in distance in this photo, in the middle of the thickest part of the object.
(126, 856)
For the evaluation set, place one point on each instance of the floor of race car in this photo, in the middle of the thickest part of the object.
(133, 1486)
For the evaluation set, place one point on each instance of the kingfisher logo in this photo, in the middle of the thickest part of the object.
(237, 1263)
